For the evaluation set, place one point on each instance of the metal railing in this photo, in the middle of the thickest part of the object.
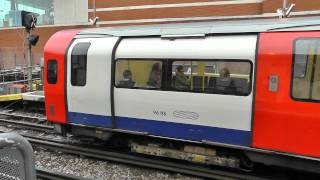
(16, 158)
(19, 76)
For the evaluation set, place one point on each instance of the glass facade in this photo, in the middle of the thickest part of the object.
(10, 11)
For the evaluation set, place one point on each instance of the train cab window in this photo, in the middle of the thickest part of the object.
(79, 64)
(216, 77)
(141, 74)
(52, 71)
(306, 70)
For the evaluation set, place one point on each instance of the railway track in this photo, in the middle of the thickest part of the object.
(50, 175)
(27, 125)
(104, 153)
(133, 159)
(107, 154)
(40, 119)
(25, 121)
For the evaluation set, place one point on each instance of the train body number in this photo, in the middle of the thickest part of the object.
(159, 113)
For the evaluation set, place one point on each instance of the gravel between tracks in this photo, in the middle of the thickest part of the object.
(98, 170)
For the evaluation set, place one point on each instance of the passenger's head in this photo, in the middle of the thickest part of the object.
(225, 72)
(127, 74)
(179, 70)
(156, 67)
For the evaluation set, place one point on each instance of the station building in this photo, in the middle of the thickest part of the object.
(55, 15)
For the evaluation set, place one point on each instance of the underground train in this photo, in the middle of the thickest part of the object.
(227, 93)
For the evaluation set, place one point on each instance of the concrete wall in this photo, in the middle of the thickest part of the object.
(120, 12)
(70, 11)
(13, 50)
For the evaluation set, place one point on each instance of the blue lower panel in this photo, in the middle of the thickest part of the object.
(90, 119)
(167, 129)
(186, 131)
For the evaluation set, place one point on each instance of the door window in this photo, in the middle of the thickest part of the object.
(52, 71)
(79, 64)
(306, 70)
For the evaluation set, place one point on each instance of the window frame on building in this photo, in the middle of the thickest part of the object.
(79, 58)
(12, 10)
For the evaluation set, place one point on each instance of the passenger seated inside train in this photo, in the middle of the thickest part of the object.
(226, 84)
(180, 81)
(127, 80)
(155, 76)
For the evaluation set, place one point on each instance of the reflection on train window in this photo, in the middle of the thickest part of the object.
(217, 77)
(52, 71)
(145, 74)
(306, 70)
(79, 64)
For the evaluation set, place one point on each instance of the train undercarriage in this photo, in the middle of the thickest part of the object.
(202, 153)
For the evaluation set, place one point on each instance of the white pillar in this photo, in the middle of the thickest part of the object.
(70, 11)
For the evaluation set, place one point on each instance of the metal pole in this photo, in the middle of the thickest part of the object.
(95, 13)
(29, 68)
(285, 4)
(94, 9)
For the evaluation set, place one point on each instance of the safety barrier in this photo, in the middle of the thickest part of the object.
(16, 158)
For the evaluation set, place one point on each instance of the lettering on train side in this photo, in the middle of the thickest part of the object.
(159, 113)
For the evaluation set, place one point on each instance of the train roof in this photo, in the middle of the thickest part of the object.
(211, 27)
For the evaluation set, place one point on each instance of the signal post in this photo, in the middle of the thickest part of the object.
(29, 21)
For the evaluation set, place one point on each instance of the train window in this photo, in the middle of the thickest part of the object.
(79, 64)
(52, 71)
(143, 74)
(216, 77)
(306, 70)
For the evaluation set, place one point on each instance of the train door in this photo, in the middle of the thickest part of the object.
(88, 81)
(149, 99)
(287, 102)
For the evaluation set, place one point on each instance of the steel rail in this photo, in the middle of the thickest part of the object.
(28, 125)
(22, 116)
(156, 163)
(46, 174)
